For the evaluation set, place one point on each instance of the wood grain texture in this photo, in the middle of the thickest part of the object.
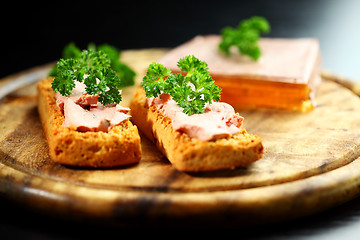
(310, 163)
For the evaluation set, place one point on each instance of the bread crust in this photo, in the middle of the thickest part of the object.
(119, 146)
(193, 155)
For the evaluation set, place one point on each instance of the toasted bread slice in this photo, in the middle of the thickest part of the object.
(189, 154)
(119, 146)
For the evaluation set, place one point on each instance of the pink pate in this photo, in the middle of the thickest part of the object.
(218, 121)
(85, 113)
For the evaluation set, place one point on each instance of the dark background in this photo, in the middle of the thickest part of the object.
(33, 35)
(36, 35)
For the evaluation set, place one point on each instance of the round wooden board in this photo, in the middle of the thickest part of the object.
(311, 163)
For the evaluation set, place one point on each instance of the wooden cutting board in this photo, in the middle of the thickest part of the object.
(311, 163)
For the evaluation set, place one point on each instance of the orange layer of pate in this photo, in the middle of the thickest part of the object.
(250, 93)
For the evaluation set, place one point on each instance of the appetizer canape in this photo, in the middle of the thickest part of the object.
(182, 116)
(83, 123)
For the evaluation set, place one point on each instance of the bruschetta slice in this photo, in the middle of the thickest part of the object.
(106, 144)
(188, 152)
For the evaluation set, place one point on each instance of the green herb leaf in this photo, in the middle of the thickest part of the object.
(126, 74)
(92, 68)
(245, 37)
(71, 51)
(191, 91)
(153, 82)
(65, 77)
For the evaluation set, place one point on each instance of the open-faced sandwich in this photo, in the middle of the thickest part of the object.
(257, 72)
(82, 120)
(181, 114)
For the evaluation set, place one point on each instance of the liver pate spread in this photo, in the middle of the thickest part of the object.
(218, 121)
(85, 113)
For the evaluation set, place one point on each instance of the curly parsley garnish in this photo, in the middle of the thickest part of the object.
(92, 68)
(245, 37)
(126, 74)
(190, 91)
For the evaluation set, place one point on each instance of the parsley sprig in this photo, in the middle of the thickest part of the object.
(245, 37)
(126, 74)
(191, 91)
(92, 68)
